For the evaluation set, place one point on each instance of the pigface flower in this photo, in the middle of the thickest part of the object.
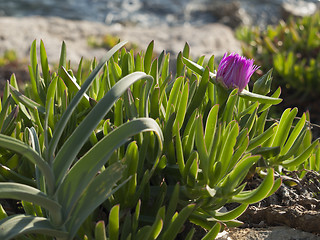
(234, 71)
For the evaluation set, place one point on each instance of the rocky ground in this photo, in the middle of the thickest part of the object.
(292, 207)
(18, 34)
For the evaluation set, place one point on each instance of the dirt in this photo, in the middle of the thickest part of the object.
(294, 209)
(20, 70)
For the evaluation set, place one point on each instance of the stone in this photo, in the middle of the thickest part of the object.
(271, 233)
(18, 34)
(298, 9)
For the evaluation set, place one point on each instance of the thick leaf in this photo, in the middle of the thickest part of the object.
(74, 87)
(230, 215)
(211, 127)
(148, 57)
(33, 70)
(228, 112)
(179, 152)
(60, 126)
(4, 110)
(100, 231)
(201, 147)
(178, 222)
(256, 195)
(157, 225)
(72, 146)
(212, 234)
(261, 138)
(229, 140)
(114, 223)
(20, 98)
(181, 108)
(44, 64)
(49, 118)
(11, 175)
(25, 150)
(99, 190)
(200, 93)
(260, 98)
(173, 98)
(238, 172)
(85, 169)
(302, 157)
(172, 206)
(284, 127)
(26, 193)
(197, 68)
(294, 135)
(16, 225)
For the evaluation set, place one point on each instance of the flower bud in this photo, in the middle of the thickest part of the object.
(234, 71)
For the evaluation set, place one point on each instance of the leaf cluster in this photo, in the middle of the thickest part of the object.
(292, 48)
(133, 152)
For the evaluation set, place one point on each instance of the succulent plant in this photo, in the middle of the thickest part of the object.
(134, 152)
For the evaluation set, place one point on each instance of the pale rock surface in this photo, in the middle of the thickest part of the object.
(18, 34)
(272, 233)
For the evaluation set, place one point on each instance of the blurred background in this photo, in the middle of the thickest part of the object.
(163, 12)
(279, 34)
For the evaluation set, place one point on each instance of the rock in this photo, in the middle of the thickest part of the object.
(18, 34)
(298, 9)
(272, 233)
(230, 13)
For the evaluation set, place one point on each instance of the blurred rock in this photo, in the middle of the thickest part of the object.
(18, 34)
(298, 9)
(272, 233)
(231, 13)
(148, 13)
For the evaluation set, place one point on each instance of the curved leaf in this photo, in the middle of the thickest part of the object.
(16, 225)
(259, 193)
(260, 98)
(72, 146)
(177, 223)
(85, 169)
(102, 187)
(25, 150)
(26, 193)
(302, 157)
(197, 68)
(212, 234)
(19, 97)
(75, 101)
(228, 216)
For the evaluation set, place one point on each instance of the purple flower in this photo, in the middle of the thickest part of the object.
(234, 71)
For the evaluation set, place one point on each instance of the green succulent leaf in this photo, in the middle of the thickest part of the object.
(17, 225)
(100, 231)
(20, 98)
(25, 150)
(302, 157)
(26, 193)
(230, 215)
(101, 190)
(75, 101)
(256, 195)
(212, 234)
(83, 171)
(114, 223)
(72, 146)
(177, 223)
(260, 98)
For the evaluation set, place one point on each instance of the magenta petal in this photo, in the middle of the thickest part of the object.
(236, 70)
